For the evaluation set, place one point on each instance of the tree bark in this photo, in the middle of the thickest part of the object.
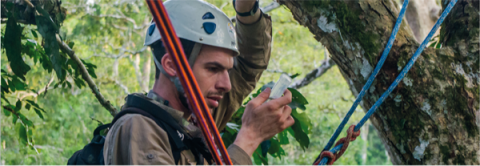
(432, 117)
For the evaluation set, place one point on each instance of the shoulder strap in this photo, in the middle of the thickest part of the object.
(139, 105)
(174, 140)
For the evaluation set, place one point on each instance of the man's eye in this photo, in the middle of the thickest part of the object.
(213, 69)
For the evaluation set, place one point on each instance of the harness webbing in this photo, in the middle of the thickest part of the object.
(189, 83)
(325, 158)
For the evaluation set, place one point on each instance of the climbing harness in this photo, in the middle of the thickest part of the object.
(329, 156)
(189, 83)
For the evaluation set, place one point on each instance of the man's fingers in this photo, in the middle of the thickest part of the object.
(289, 122)
(281, 101)
(287, 110)
(261, 98)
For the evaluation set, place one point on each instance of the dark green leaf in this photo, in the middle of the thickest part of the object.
(35, 105)
(274, 146)
(433, 44)
(39, 113)
(13, 47)
(300, 135)
(25, 120)
(19, 85)
(48, 29)
(14, 119)
(294, 76)
(302, 119)
(79, 82)
(265, 145)
(18, 105)
(71, 44)
(6, 112)
(91, 72)
(11, 85)
(27, 106)
(34, 33)
(22, 133)
(298, 97)
(283, 138)
(4, 85)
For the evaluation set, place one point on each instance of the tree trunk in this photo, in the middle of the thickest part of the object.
(432, 117)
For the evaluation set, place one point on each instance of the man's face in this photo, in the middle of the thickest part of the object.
(211, 71)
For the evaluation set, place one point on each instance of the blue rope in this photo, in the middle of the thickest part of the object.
(371, 78)
(400, 76)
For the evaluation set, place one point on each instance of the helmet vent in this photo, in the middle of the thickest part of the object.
(208, 15)
(151, 29)
(209, 27)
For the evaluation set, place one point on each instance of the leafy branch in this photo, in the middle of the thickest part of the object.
(48, 28)
(86, 76)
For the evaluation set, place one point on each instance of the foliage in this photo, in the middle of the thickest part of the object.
(60, 114)
(299, 130)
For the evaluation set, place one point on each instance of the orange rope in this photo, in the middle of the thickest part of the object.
(189, 83)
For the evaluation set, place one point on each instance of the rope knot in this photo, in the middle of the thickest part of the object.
(351, 136)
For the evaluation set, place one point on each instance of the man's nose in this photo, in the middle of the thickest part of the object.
(223, 82)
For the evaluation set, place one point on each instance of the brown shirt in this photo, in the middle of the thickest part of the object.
(135, 139)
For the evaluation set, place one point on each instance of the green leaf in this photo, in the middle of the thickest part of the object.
(25, 120)
(6, 112)
(298, 97)
(27, 106)
(265, 145)
(35, 105)
(19, 85)
(4, 85)
(300, 135)
(71, 44)
(22, 133)
(294, 76)
(79, 82)
(18, 106)
(39, 113)
(13, 47)
(283, 138)
(303, 120)
(14, 119)
(34, 33)
(48, 29)
(274, 146)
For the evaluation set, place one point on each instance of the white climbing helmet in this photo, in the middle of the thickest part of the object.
(197, 21)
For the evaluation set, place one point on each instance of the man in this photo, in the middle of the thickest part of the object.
(225, 75)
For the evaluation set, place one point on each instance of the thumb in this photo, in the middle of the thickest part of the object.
(262, 97)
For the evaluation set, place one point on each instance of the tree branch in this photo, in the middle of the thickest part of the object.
(105, 103)
(314, 74)
(40, 91)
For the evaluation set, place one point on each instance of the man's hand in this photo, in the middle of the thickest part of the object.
(243, 6)
(261, 121)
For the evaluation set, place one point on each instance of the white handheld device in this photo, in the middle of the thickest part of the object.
(280, 86)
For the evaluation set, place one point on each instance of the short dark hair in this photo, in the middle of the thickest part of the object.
(158, 50)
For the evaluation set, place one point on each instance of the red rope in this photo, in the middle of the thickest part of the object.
(189, 83)
(351, 136)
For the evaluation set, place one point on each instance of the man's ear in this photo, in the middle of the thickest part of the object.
(168, 65)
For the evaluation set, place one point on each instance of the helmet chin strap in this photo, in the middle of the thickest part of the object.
(176, 81)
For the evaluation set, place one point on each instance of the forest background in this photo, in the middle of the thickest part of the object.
(108, 36)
